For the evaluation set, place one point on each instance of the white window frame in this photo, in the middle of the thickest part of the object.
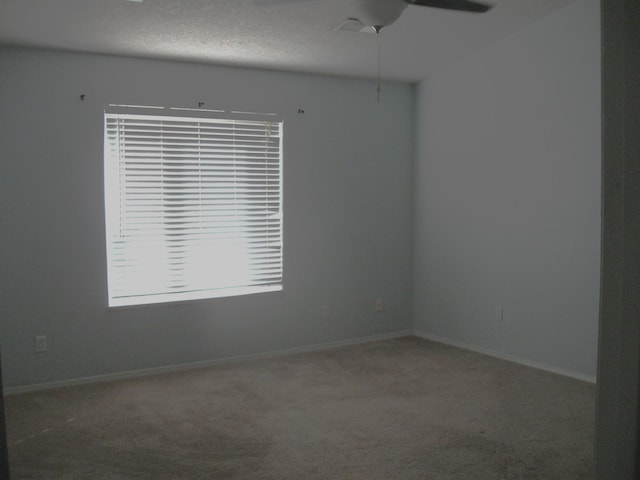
(193, 204)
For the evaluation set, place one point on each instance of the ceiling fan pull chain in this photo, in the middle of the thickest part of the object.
(379, 56)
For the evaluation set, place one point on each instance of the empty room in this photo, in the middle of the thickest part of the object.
(300, 239)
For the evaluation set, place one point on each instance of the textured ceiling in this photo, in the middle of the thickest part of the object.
(276, 34)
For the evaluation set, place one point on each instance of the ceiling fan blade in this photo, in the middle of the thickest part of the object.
(462, 5)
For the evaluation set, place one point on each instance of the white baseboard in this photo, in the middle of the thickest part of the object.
(207, 363)
(291, 351)
(505, 356)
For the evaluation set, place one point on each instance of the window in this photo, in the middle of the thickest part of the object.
(193, 204)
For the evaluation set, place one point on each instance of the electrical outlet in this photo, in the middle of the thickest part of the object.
(499, 314)
(41, 343)
(379, 304)
(326, 312)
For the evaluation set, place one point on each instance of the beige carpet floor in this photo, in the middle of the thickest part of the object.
(398, 409)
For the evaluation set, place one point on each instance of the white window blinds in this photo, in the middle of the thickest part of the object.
(193, 207)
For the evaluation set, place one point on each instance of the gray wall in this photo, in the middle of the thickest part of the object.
(347, 206)
(507, 196)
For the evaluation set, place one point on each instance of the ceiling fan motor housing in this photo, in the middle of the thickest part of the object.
(380, 13)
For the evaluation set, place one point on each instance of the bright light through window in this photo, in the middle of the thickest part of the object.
(193, 205)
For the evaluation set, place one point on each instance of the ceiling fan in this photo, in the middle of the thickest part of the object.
(378, 14)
